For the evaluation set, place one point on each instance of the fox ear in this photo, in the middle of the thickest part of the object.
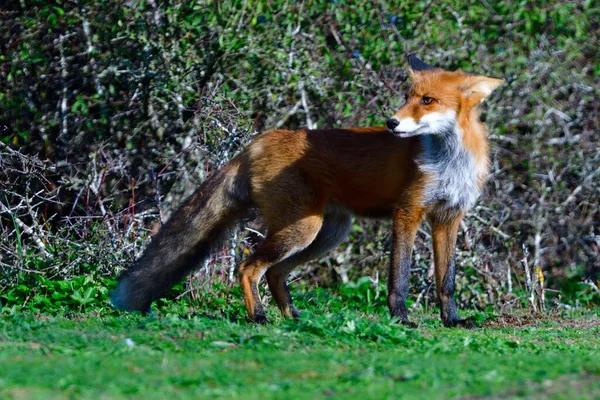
(416, 65)
(478, 88)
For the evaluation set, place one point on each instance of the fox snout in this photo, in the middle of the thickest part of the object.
(405, 127)
(392, 123)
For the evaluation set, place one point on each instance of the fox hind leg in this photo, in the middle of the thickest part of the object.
(335, 228)
(277, 246)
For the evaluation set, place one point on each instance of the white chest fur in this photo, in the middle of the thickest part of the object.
(453, 171)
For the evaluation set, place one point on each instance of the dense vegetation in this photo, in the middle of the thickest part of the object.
(112, 111)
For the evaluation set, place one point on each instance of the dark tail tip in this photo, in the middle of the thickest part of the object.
(123, 298)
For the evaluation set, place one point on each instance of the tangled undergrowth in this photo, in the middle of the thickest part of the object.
(112, 112)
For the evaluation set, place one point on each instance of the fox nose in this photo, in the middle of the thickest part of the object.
(392, 123)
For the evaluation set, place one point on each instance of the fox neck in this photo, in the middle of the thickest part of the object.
(455, 162)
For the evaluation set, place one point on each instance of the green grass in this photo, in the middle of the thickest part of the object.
(334, 350)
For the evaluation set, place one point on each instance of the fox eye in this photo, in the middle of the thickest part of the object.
(427, 100)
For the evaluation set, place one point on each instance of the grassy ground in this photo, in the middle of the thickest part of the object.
(334, 350)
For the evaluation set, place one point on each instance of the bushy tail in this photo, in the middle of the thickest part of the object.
(187, 239)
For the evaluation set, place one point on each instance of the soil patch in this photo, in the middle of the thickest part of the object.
(538, 319)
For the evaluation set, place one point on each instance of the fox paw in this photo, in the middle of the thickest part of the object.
(461, 323)
(409, 324)
(260, 319)
(406, 323)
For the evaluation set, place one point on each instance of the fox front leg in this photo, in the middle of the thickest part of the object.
(444, 232)
(406, 223)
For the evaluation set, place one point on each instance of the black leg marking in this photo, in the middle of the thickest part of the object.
(398, 286)
(449, 310)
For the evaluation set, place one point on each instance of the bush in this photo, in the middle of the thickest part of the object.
(114, 111)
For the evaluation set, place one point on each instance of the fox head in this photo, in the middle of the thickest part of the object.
(439, 101)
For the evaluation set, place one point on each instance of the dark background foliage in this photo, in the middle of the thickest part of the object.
(112, 111)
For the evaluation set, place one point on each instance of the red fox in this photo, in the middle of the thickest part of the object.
(430, 160)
